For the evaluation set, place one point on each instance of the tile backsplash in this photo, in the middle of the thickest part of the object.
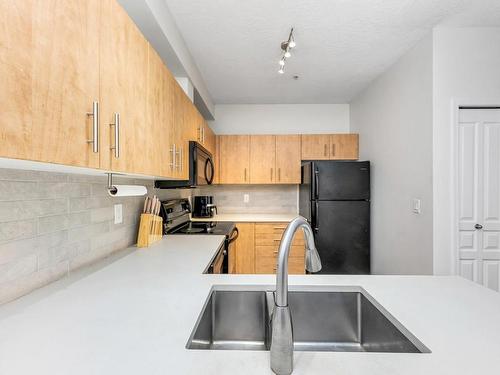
(53, 223)
(277, 199)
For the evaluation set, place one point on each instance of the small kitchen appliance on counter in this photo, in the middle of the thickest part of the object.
(175, 214)
(204, 206)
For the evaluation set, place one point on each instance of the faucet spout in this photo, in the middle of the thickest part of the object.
(281, 321)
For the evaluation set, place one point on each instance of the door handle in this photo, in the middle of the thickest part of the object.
(95, 126)
(172, 164)
(316, 227)
(478, 226)
(116, 124)
(316, 184)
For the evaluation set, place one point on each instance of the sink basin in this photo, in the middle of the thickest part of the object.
(344, 319)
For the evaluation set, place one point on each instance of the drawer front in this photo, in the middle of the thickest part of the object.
(267, 265)
(275, 239)
(272, 251)
(269, 234)
(262, 228)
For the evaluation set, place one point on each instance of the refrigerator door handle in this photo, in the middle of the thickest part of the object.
(316, 184)
(315, 217)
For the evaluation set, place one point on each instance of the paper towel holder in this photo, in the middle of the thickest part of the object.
(124, 190)
(111, 189)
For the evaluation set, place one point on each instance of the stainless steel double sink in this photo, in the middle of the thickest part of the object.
(344, 319)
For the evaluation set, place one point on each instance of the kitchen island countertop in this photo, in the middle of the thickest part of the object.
(135, 314)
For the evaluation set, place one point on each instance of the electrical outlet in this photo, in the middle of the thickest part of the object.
(416, 206)
(118, 213)
(246, 198)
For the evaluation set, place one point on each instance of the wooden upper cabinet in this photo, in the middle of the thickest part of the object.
(181, 132)
(234, 159)
(123, 71)
(159, 115)
(262, 159)
(65, 78)
(315, 147)
(216, 156)
(210, 142)
(344, 146)
(330, 147)
(288, 159)
(16, 50)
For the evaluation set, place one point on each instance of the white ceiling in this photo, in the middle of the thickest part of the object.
(342, 45)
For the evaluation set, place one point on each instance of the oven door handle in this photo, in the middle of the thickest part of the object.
(211, 178)
(234, 235)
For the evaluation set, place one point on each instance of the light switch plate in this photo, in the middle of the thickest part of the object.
(416, 206)
(118, 213)
(246, 198)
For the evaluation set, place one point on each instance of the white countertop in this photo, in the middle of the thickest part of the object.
(250, 218)
(135, 315)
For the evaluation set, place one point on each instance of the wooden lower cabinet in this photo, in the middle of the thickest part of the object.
(256, 249)
(244, 248)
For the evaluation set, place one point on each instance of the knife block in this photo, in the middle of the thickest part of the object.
(150, 230)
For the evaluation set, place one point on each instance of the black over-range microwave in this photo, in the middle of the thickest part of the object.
(201, 170)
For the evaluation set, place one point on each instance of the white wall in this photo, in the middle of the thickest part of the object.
(467, 69)
(394, 119)
(281, 118)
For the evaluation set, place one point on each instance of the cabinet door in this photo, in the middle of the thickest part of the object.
(245, 248)
(344, 147)
(262, 159)
(65, 77)
(234, 159)
(315, 147)
(124, 62)
(288, 159)
(183, 130)
(209, 138)
(217, 160)
(159, 115)
(16, 50)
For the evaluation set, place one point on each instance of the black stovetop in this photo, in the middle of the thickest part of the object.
(204, 227)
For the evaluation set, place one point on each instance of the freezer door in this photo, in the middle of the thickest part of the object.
(305, 189)
(342, 236)
(342, 180)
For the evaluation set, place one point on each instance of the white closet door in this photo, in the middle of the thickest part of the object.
(479, 196)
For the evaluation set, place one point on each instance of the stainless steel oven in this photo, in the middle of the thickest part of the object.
(201, 170)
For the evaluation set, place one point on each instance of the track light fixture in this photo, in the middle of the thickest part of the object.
(286, 47)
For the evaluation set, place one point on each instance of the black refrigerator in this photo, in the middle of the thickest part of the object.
(334, 196)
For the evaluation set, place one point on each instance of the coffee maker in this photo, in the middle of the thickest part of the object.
(204, 206)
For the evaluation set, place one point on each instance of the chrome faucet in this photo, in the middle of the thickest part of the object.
(282, 333)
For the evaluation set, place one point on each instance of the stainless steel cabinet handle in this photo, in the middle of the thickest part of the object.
(333, 150)
(95, 126)
(245, 174)
(325, 151)
(177, 154)
(279, 174)
(181, 159)
(116, 124)
(172, 163)
(271, 174)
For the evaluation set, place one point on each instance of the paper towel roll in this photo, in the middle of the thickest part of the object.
(127, 190)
